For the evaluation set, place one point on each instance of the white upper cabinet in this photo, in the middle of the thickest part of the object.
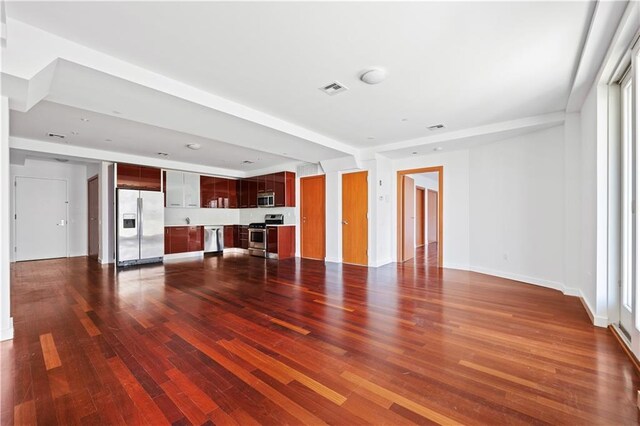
(183, 189)
(191, 190)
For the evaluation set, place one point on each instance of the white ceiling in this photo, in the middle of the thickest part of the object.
(132, 137)
(463, 64)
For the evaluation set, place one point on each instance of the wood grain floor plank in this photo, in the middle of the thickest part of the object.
(51, 357)
(234, 339)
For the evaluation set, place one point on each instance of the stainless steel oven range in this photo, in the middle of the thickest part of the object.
(258, 234)
(258, 239)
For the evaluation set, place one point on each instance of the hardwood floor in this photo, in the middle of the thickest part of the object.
(239, 340)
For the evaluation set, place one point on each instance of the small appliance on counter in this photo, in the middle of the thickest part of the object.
(213, 239)
(258, 234)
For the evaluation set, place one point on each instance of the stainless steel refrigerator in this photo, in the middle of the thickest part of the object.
(140, 227)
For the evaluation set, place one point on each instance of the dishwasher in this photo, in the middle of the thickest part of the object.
(213, 239)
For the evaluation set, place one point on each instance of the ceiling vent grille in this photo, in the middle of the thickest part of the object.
(308, 169)
(436, 127)
(333, 88)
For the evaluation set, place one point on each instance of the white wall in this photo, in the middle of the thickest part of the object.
(516, 208)
(6, 322)
(456, 203)
(587, 158)
(76, 177)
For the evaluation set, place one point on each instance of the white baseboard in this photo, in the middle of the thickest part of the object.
(598, 321)
(459, 266)
(7, 333)
(332, 260)
(381, 263)
(180, 256)
(522, 278)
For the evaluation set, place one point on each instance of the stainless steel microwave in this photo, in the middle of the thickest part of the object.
(266, 199)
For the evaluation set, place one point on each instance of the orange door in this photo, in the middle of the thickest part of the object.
(420, 200)
(355, 224)
(93, 196)
(408, 223)
(312, 217)
(432, 224)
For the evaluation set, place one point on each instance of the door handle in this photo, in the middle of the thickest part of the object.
(344, 222)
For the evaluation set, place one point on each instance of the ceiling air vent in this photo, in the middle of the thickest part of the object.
(436, 127)
(333, 88)
(55, 135)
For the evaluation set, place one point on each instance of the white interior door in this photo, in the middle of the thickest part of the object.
(41, 218)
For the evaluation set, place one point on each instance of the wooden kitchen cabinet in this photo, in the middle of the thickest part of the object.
(269, 182)
(183, 239)
(131, 176)
(244, 237)
(253, 192)
(228, 236)
(234, 190)
(208, 192)
(243, 193)
(196, 238)
(281, 241)
(217, 192)
(222, 192)
(290, 189)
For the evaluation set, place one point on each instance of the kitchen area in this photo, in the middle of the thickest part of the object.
(165, 215)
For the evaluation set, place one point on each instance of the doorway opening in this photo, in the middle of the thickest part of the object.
(420, 215)
(93, 209)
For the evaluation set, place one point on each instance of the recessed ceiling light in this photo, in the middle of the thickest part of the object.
(116, 112)
(62, 160)
(75, 133)
(405, 119)
(107, 140)
(163, 154)
(436, 127)
(194, 146)
(414, 152)
(84, 119)
(247, 162)
(371, 138)
(373, 76)
(437, 148)
(55, 135)
(284, 153)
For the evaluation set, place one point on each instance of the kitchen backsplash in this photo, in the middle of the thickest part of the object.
(177, 216)
(248, 216)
